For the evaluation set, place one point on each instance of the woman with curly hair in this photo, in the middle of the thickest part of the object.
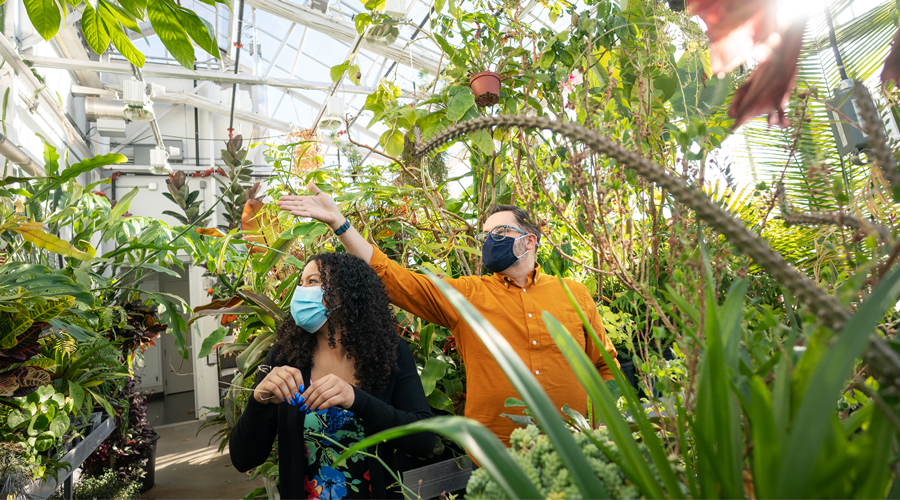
(338, 372)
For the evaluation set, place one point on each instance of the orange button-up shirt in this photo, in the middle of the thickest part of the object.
(516, 313)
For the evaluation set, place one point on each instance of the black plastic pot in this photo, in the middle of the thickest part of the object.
(628, 372)
(150, 469)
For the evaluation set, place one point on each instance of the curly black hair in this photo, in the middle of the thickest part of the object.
(360, 310)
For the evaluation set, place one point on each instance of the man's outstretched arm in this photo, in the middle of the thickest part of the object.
(408, 290)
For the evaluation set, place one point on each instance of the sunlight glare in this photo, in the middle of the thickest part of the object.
(788, 10)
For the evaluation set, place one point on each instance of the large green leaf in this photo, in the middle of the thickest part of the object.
(165, 24)
(122, 43)
(217, 336)
(45, 16)
(199, 29)
(92, 163)
(111, 10)
(481, 443)
(812, 421)
(122, 205)
(633, 465)
(94, 29)
(531, 391)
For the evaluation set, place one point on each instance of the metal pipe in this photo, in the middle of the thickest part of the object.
(237, 66)
(98, 107)
(15, 154)
(196, 126)
(154, 125)
(834, 45)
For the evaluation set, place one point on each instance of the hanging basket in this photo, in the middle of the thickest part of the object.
(486, 87)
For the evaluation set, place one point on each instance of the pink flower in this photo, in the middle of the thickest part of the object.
(569, 84)
(770, 84)
(737, 29)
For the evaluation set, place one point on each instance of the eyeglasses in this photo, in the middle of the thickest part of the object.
(496, 234)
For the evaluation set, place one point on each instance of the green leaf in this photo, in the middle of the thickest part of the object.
(165, 24)
(634, 404)
(94, 30)
(362, 21)
(459, 104)
(394, 144)
(257, 350)
(481, 443)
(432, 372)
(439, 6)
(353, 74)
(51, 157)
(17, 419)
(122, 205)
(218, 335)
(76, 393)
(523, 380)
(103, 402)
(636, 468)
(814, 415)
(44, 441)
(437, 399)
(482, 140)
(374, 4)
(59, 425)
(45, 16)
(338, 71)
(137, 8)
(113, 11)
(766, 450)
(199, 30)
(122, 43)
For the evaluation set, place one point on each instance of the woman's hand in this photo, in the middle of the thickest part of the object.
(319, 206)
(329, 391)
(281, 385)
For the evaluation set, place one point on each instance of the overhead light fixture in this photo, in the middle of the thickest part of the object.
(395, 9)
(159, 160)
(383, 34)
(334, 113)
(136, 94)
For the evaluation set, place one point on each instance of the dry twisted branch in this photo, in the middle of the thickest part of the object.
(829, 219)
(875, 130)
(826, 307)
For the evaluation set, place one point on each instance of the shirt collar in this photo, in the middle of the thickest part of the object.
(532, 278)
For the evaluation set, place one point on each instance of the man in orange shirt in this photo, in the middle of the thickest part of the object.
(512, 299)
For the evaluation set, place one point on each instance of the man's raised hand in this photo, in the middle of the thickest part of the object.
(318, 206)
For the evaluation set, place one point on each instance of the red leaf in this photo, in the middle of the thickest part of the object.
(892, 63)
(257, 219)
(735, 28)
(770, 85)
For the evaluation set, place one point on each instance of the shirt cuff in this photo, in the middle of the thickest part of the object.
(379, 261)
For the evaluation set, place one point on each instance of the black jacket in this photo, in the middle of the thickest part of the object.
(402, 402)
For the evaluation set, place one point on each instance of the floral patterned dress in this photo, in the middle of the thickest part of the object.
(323, 480)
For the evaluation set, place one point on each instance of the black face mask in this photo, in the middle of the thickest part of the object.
(498, 256)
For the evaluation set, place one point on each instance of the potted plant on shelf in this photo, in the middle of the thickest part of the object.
(131, 448)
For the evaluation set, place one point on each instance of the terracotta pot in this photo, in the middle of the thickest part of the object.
(486, 87)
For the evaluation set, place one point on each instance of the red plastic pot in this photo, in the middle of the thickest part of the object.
(486, 87)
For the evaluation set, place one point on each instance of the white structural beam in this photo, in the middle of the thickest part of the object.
(182, 73)
(70, 47)
(206, 104)
(36, 38)
(345, 31)
(281, 47)
(24, 74)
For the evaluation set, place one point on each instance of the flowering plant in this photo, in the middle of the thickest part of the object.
(568, 85)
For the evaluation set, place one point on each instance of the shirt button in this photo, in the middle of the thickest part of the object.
(524, 290)
(529, 315)
(534, 342)
(537, 372)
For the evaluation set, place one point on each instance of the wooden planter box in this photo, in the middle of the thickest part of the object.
(432, 480)
(75, 457)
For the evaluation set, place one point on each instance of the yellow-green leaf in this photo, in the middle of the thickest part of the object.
(34, 233)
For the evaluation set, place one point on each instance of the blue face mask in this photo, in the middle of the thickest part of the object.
(307, 308)
(498, 256)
